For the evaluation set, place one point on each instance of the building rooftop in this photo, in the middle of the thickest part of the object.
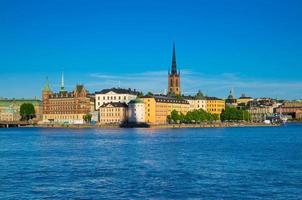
(213, 98)
(167, 99)
(114, 104)
(118, 91)
(137, 100)
(245, 97)
(65, 94)
(8, 102)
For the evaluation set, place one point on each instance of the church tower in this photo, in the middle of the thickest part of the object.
(174, 77)
(46, 93)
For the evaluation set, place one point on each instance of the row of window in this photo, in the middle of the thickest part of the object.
(110, 120)
(110, 114)
(109, 109)
(113, 98)
(64, 117)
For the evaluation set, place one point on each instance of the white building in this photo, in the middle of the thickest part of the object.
(197, 102)
(114, 95)
(136, 111)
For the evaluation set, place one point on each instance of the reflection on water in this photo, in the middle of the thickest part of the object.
(220, 163)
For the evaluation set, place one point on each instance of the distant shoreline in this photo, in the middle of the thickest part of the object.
(156, 126)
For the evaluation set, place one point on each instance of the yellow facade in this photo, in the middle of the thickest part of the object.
(244, 100)
(157, 108)
(215, 105)
(113, 113)
(70, 118)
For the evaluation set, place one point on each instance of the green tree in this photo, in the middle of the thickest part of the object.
(87, 118)
(140, 94)
(192, 116)
(27, 111)
(175, 116)
(234, 114)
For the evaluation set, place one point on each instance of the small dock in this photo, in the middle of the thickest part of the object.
(10, 124)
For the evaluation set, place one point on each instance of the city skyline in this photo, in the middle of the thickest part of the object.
(253, 47)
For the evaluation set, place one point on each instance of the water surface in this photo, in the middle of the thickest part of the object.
(217, 163)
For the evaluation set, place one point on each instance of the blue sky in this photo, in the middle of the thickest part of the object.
(253, 46)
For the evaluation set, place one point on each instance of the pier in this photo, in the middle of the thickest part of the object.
(9, 124)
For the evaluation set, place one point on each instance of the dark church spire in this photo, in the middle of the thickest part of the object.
(174, 68)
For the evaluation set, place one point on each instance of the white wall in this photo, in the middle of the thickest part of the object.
(100, 99)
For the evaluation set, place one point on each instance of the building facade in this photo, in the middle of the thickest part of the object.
(244, 100)
(114, 95)
(215, 105)
(174, 77)
(113, 113)
(65, 107)
(260, 113)
(292, 108)
(158, 108)
(196, 102)
(10, 108)
(136, 111)
(10, 115)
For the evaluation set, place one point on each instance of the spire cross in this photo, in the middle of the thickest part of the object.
(174, 70)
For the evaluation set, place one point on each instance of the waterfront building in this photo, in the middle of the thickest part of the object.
(157, 108)
(9, 115)
(65, 107)
(293, 108)
(136, 111)
(260, 113)
(10, 108)
(196, 102)
(115, 95)
(215, 105)
(174, 77)
(244, 100)
(92, 102)
(113, 113)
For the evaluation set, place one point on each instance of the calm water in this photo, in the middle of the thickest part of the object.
(225, 163)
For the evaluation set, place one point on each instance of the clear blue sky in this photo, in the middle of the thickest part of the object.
(254, 46)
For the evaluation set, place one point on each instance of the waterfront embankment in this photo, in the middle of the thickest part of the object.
(159, 126)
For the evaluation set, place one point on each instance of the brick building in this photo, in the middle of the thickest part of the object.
(65, 107)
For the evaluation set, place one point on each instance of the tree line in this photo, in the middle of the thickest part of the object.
(229, 114)
(191, 116)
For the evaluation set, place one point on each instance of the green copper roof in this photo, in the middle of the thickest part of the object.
(19, 102)
(46, 87)
(199, 95)
(137, 100)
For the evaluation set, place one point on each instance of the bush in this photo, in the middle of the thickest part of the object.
(27, 111)
(192, 116)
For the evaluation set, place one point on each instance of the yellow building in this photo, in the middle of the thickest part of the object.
(244, 99)
(113, 113)
(215, 105)
(157, 108)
